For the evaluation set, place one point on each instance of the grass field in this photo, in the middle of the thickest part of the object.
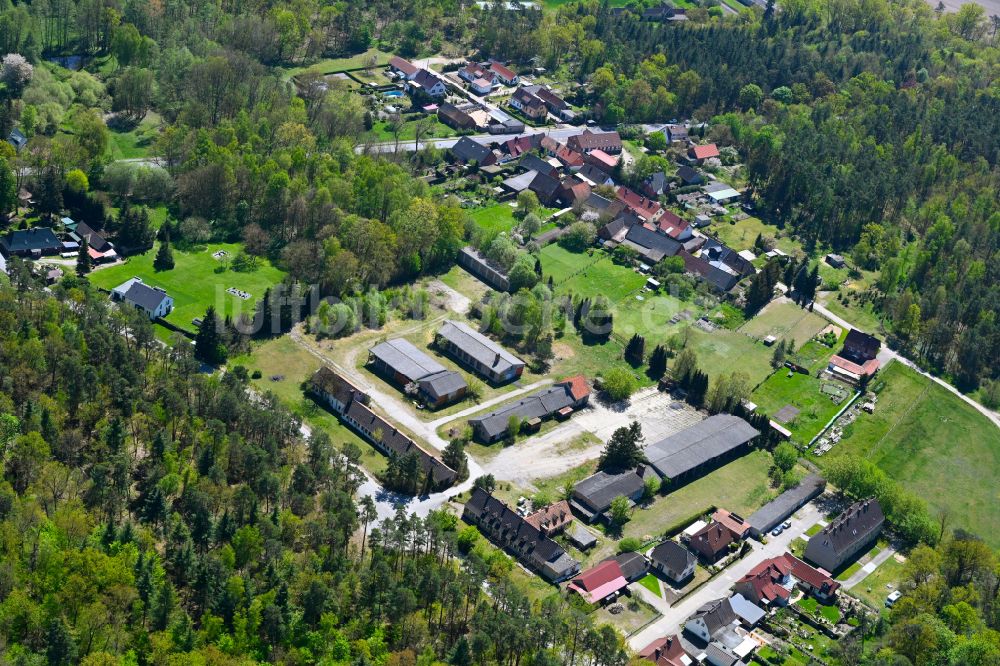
(875, 587)
(500, 217)
(193, 283)
(800, 391)
(740, 486)
(931, 442)
(813, 607)
(589, 275)
(813, 355)
(741, 235)
(340, 64)
(380, 131)
(724, 351)
(283, 358)
(785, 320)
(138, 142)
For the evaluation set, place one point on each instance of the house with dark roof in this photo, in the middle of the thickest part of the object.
(403, 67)
(416, 372)
(689, 176)
(34, 242)
(532, 162)
(675, 562)
(719, 279)
(770, 583)
(471, 260)
(609, 142)
(454, 117)
(595, 175)
(604, 581)
(528, 103)
(351, 405)
(675, 133)
(769, 516)
(559, 400)
(857, 359)
(467, 150)
(726, 258)
(666, 651)
(100, 248)
(17, 139)
(428, 82)
(592, 497)
(633, 565)
(614, 231)
(546, 188)
(711, 542)
(655, 185)
(651, 246)
(852, 533)
(516, 535)
(551, 519)
(749, 613)
(573, 190)
(154, 301)
(478, 352)
(697, 449)
(710, 619)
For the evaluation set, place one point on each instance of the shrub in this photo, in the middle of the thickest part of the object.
(629, 545)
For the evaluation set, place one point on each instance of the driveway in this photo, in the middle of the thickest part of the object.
(870, 567)
(718, 587)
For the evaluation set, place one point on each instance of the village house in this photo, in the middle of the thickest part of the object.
(689, 176)
(527, 543)
(651, 246)
(666, 651)
(17, 139)
(699, 153)
(154, 301)
(546, 188)
(507, 76)
(675, 133)
(601, 160)
(604, 581)
(592, 497)
(711, 542)
(587, 141)
(671, 224)
(467, 150)
(569, 158)
(771, 582)
(739, 528)
(551, 519)
(633, 565)
(521, 145)
(427, 82)
(573, 191)
(351, 405)
(35, 242)
(530, 105)
(402, 67)
(595, 175)
(479, 72)
(851, 534)
(408, 367)
(559, 400)
(478, 352)
(648, 209)
(532, 162)
(99, 249)
(675, 562)
(858, 359)
(700, 448)
(656, 185)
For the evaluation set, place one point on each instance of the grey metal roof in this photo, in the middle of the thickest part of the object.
(404, 357)
(537, 405)
(468, 150)
(768, 516)
(598, 490)
(442, 383)
(479, 347)
(657, 243)
(746, 610)
(521, 181)
(145, 296)
(684, 451)
(582, 537)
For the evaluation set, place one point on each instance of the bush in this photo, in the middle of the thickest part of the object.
(466, 539)
(256, 374)
(620, 384)
(629, 545)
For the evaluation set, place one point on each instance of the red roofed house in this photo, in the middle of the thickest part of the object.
(569, 157)
(597, 584)
(474, 71)
(701, 153)
(666, 651)
(674, 226)
(771, 582)
(578, 387)
(609, 142)
(732, 522)
(602, 160)
(520, 144)
(648, 209)
(404, 67)
(551, 519)
(858, 357)
(506, 75)
(711, 542)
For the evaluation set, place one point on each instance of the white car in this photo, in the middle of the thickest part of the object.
(893, 597)
(785, 525)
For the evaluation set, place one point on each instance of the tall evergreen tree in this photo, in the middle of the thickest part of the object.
(635, 350)
(208, 345)
(164, 260)
(658, 362)
(83, 262)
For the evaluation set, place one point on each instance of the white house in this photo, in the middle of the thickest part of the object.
(154, 301)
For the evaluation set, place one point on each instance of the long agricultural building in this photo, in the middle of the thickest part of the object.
(696, 450)
(559, 400)
(351, 404)
(415, 371)
(476, 351)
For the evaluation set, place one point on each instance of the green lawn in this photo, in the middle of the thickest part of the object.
(873, 589)
(194, 283)
(380, 131)
(651, 583)
(331, 65)
(814, 355)
(723, 351)
(135, 143)
(741, 235)
(800, 391)
(785, 320)
(651, 317)
(500, 217)
(815, 529)
(932, 443)
(583, 276)
(813, 607)
(559, 263)
(847, 572)
(740, 486)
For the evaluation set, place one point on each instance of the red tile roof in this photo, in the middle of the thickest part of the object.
(578, 387)
(403, 65)
(704, 152)
(814, 577)
(666, 651)
(732, 522)
(503, 72)
(568, 156)
(765, 578)
(711, 539)
(599, 582)
(673, 225)
(640, 205)
(869, 368)
(603, 158)
(552, 517)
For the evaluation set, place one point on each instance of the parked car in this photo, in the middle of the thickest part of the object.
(785, 525)
(893, 597)
(777, 530)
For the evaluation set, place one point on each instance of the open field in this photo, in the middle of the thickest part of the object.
(723, 351)
(380, 131)
(875, 587)
(740, 486)
(381, 59)
(284, 365)
(785, 320)
(193, 283)
(137, 142)
(932, 443)
(582, 275)
(814, 355)
(801, 392)
(500, 217)
(742, 234)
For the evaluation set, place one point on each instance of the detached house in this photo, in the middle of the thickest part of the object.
(467, 150)
(35, 242)
(427, 82)
(646, 208)
(858, 357)
(698, 154)
(154, 301)
(551, 519)
(559, 401)
(666, 651)
(771, 582)
(604, 581)
(507, 76)
(609, 142)
(529, 104)
(848, 536)
(404, 68)
(674, 561)
(711, 542)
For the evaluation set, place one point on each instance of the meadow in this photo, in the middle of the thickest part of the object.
(802, 392)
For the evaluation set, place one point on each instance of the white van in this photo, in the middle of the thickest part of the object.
(893, 597)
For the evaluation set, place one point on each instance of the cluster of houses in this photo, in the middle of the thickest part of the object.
(38, 242)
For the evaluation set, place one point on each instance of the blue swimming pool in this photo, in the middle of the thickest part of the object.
(393, 93)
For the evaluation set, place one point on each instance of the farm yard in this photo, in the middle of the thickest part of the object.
(797, 402)
(928, 439)
(197, 281)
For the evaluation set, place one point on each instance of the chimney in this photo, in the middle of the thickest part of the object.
(496, 359)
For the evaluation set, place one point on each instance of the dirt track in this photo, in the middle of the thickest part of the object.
(991, 6)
